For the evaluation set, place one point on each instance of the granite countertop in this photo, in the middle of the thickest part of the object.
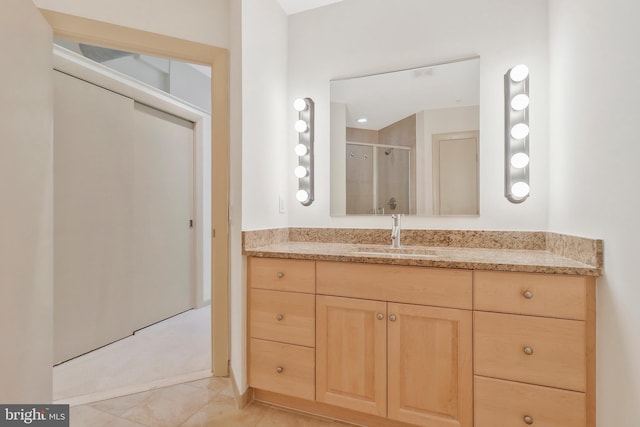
(530, 259)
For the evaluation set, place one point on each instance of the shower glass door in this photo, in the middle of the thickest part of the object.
(378, 179)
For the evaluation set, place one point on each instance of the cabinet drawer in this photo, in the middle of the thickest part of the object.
(557, 359)
(501, 403)
(535, 294)
(413, 285)
(282, 274)
(283, 316)
(282, 368)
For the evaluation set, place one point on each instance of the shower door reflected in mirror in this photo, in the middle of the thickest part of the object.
(378, 179)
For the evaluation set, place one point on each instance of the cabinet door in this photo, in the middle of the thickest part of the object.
(430, 365)
(351, 359)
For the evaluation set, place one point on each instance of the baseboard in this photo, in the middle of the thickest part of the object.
(324, 410)
(242, 399)
(134, 388)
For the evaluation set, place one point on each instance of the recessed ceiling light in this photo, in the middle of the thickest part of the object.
(362, 120)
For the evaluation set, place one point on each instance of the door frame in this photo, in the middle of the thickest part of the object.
(123, 38)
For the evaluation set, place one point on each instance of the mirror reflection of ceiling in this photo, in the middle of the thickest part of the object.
(384, 99)
(191, 83)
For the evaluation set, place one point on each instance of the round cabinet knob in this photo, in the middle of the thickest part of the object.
(280, 274)
(393, 317)
(528, 351)
(527, 294)
(528, 420)
(379, 316)
(279, 369)
(279, 317)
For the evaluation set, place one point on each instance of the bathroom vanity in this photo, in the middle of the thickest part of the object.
(432, 336)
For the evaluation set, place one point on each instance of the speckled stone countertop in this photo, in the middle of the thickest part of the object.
(536, 252)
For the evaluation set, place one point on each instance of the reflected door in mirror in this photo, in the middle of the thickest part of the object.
(455, 170)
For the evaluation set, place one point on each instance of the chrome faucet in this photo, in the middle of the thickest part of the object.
(395, 231)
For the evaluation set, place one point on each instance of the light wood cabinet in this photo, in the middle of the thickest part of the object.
(429, 365)
(410, 363)
(500, 403)
(388, 345)
(283, 368)
(546, 295)
(534, 354)
(440, 287)
(533, 350)
(286, 317)
(282, 326)
(282, 274)
(351, 361)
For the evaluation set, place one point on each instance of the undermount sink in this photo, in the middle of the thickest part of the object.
(410, 251)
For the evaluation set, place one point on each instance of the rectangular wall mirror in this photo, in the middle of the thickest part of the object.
(406, 142)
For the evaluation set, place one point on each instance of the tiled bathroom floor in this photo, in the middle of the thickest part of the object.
(207, 402)
(173, 351)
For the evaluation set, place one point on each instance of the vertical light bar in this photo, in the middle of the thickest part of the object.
(304, 149)
(516, 133)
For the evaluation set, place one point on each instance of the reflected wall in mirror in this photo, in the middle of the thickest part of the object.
(406, 142)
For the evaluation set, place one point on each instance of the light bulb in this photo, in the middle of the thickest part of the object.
(362, 120)
(301, 126)
(302, 196)
(520, 131)
(519, 73)
(301, 149)
(520, 189)
(519, 160)
(520, 102)
(300, 104)
(300, 171)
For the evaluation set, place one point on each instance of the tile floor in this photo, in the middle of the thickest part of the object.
(207, 402)
(173, 351)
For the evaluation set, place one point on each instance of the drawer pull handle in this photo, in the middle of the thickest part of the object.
(527, 294)
(393, 317)
(379, 316)
(528, 351)
(528, 420)
(279, 317)
(279, 369)
(280, 274)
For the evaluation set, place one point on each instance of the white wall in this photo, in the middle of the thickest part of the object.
(264, 144)
(26, 205)
(264, 113)
(359, 37)
(594, 84)
(237, 295)
(204, 21)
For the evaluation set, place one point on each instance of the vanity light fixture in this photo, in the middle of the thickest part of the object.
(516, 133)
(300, 104)
(301, 126)
(301, 149)
(300, 171)
(304, 150)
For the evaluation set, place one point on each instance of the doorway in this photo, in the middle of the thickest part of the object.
(117, 37)
(455, 173)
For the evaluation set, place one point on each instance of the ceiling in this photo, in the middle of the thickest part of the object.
(295, 6)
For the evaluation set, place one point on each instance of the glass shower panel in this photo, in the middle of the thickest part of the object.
(360, 180)
(393, 172)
